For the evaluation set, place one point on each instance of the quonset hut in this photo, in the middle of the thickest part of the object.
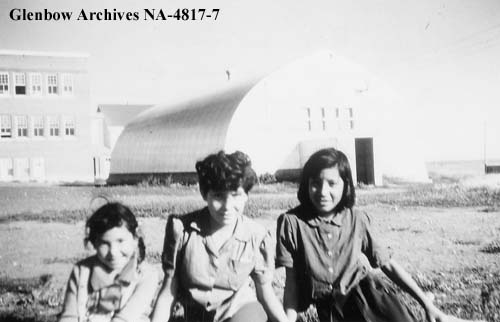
(279, 120)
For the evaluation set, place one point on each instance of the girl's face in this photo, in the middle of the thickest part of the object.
(226, 206)
(325, 191)
(116, 247)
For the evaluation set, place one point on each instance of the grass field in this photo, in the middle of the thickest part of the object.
(446, 235)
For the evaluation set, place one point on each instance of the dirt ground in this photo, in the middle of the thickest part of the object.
(435, 245)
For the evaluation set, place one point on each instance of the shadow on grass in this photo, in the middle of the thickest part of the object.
(33, 299)
(15, 317)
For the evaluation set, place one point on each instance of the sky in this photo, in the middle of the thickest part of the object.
(441, 57)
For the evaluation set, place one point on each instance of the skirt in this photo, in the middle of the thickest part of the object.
(372, 300)
(250, 312)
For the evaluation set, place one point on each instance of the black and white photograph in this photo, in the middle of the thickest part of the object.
(249, 161)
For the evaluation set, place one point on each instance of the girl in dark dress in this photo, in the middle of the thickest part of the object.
(328, 250)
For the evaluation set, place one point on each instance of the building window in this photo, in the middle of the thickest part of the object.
(22, 166)
(52, 84)
(309, 121)
(22, 125)
(5, 126)
(67, 84)
(36, 84)
(4, 83)
(38, 126)
(69, 126)
(53, 126)
(345, 118)
(20, 83)
(323, 118)
(6, 169)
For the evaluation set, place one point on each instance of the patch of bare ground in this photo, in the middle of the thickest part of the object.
(451, 252)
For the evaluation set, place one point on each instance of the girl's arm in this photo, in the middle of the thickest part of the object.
(290, 295)
(163, 305)
(173, 235)
(399, 276)
(70, 307)
(271, 304)
(138, 306)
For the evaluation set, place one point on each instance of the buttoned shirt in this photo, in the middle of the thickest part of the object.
(95, 294)
(217, 279)
(330, 257)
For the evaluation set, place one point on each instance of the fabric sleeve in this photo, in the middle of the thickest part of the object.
(138, 306)
(377, 255)
(285, 242)
(264, 265)
(174, 231)
(70, 306)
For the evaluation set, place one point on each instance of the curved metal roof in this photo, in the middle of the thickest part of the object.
(174, 137)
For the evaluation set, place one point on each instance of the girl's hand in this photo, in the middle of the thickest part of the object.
(433, 314)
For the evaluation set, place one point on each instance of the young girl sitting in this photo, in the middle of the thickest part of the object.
(328, 250)
(115, 284)
(210, 255)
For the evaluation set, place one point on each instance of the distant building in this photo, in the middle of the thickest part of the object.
(279, 120)
(111, 120)
(106, 127)
(45, 118)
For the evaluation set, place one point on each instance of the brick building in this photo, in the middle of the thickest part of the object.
(46, 117)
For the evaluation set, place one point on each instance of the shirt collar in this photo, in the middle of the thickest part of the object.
(241, 232)
(337, 220)
(101, 277)
(201, 222)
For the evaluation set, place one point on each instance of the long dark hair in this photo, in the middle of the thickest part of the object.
(323, 159)
(109, 216)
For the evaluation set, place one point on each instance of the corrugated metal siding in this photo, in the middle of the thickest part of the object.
(172, 138)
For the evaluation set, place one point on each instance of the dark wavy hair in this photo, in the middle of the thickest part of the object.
(225, 172)
(323, 159)
(109, 216)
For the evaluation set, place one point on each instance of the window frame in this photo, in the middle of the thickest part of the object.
(4, 117)
(22, 127)
(67, 82)
(52, 89)
(32, 84)
(53, 120)
(36, 119)
(4, 87)
(22, 84)
(69, 124)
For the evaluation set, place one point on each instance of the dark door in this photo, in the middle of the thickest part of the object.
(364, 160)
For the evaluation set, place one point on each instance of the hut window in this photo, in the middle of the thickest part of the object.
(309, 122)
(323, 118)
(345, 118)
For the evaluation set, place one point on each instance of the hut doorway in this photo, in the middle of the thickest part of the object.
(364, 160)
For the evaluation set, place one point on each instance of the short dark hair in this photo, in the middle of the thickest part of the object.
(323, 159)
(225, 172)
(109, 216)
